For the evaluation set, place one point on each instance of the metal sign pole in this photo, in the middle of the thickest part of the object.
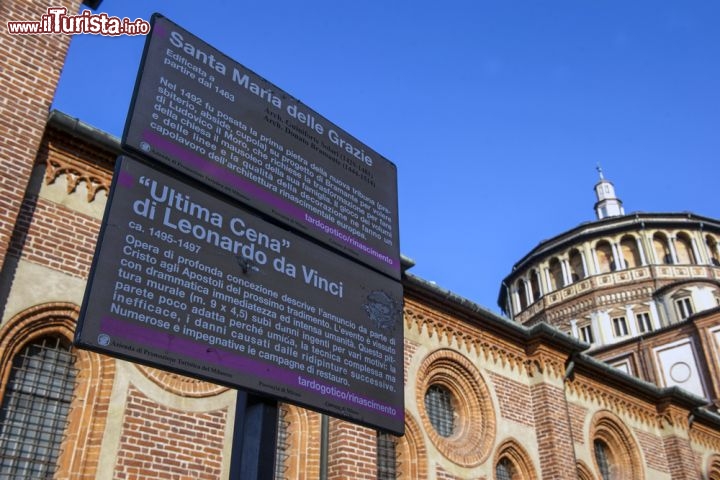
(254, 438)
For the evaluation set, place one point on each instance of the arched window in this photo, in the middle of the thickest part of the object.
(34, 409)
(683, 246)
(614, 449)
(577, 270)
(535, 285)
(556, 276)
(662, 249)
(513, 463)
(504, 470)
(712, 249)
(522, 294)
(630, 252)
(604, 459)
(606, 262)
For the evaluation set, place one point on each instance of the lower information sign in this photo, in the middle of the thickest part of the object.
(187, 281)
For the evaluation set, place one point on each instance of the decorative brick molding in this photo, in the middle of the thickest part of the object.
(453, 330)
(411, 451)
(584, 472)
(77, 162)
(674, 419)
(41, 320)
(625, 459)
(713, 468)
(303, 443)
(180, 384)
(80, 451)
(543, 361)
(707, 437)
(589, 391)
(516, 454)
(474, 435)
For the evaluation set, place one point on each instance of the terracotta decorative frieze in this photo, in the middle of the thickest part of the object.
(706, 437)
(471, 339)
(614, 401)
(96, 174)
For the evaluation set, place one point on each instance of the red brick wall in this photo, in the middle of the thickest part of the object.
(30, 67)
(652, 448)
(578, 415)
(410, 349)
(352, 451)
(513, 399)
(680, 458)
(161, 443)
(55, 236)
(557, 460)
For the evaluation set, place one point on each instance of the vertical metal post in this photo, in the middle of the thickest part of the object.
(254, 438)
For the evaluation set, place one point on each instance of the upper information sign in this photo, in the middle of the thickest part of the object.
(202, 113)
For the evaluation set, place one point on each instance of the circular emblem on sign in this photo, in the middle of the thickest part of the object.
(680, 372)
(103, 339)
(145, 147)
(382, 309)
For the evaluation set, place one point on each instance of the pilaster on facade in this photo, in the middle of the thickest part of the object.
(675, 423)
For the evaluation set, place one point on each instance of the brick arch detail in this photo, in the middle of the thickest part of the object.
(713, 468)
(411, 452)
(609, 428)
(512, 450)
(80, 451)
(584, 472)
(181, 385)
(471, 443)
(303, 438)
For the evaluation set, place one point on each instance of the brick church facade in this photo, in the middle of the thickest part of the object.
(485, 397)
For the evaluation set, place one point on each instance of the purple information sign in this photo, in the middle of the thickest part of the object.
(185, 281)
(201, 112)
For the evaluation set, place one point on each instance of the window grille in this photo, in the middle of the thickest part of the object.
(601, 457)
(440, 409)
(386, 457)
(282, 449)
(504, 470)
(34, 409)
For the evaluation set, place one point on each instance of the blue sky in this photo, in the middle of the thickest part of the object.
(496, 113)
